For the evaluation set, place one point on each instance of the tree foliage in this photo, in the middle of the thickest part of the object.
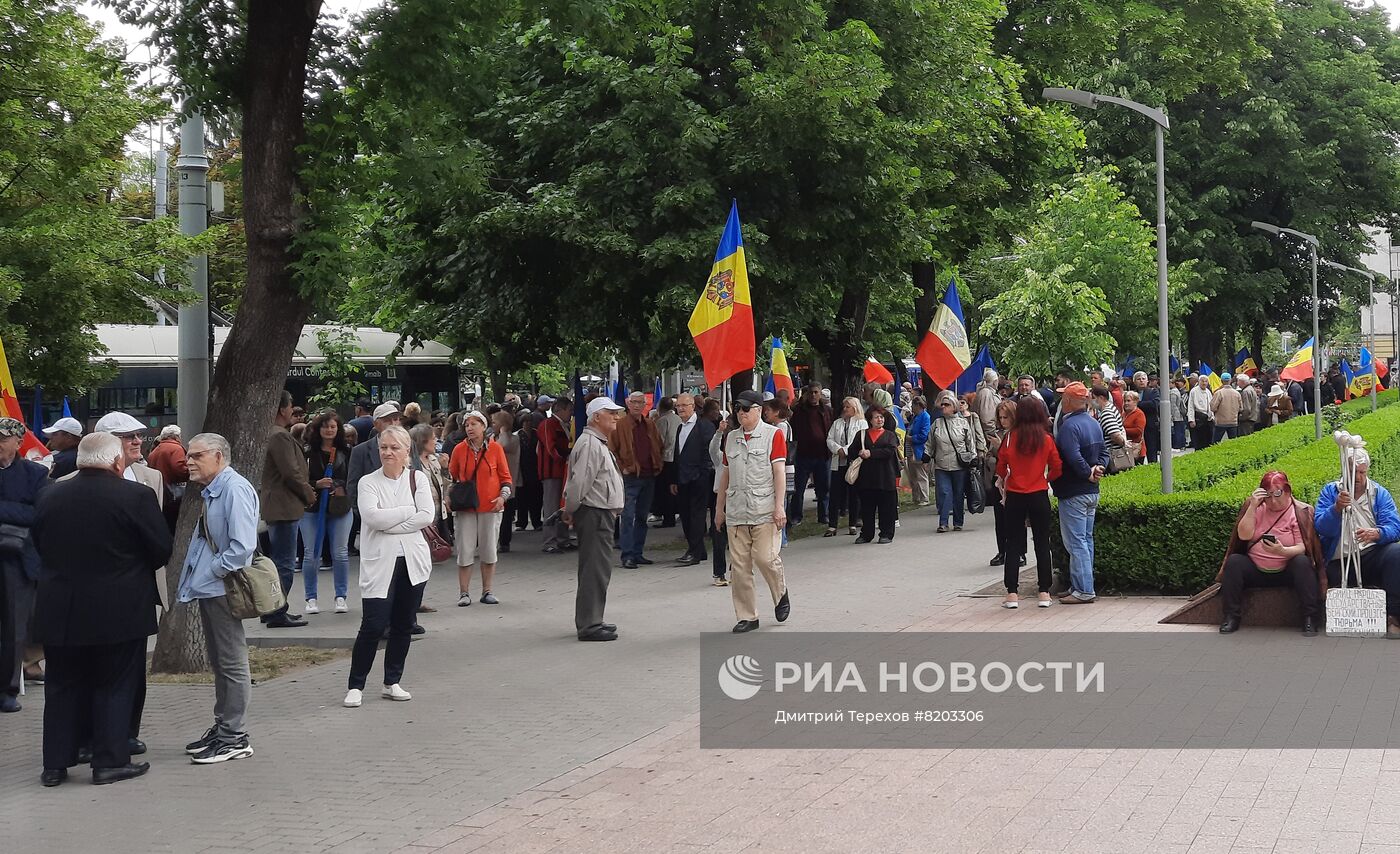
(1050, 323)
(68, 259)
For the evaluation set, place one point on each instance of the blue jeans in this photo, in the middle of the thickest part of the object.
(819, 470)
(1232, 431)
(636, 505)
(338, 529)
(1178, 434)
(1077, 530)
(949, 487)
(282, 548)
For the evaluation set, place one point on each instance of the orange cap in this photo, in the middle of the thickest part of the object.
(1076, 389)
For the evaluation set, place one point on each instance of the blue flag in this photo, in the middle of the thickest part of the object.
(36, 424)
(67, 413)
(656, 395)
(620, 392)
(973, 375)
(1175, 363)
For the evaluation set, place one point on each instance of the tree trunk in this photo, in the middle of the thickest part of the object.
(252, 368)
(925, 304)
(498, 383)
(1200, 340)
(841, 348)
(1256, 345)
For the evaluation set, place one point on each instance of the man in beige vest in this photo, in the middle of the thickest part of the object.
(752, 485)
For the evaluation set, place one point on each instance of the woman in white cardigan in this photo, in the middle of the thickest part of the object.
(843, 499)
(394, 563)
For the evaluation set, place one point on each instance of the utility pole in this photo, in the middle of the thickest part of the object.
(162, 193)
(192, 391)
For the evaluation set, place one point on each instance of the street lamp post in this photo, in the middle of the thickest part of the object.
(1161, 125)
(1312, 242)
(1371, 314)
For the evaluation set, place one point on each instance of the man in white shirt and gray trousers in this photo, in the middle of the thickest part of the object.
(593, 499)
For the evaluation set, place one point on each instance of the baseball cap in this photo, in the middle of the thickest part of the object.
(65, 425)
(385, 409)
(598, 404)
(118, 422)
(1076, 389)
(544, 398)
(748, 399)
(11, 427)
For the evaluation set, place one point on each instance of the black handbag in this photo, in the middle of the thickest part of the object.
(976, 491)
(462, 493)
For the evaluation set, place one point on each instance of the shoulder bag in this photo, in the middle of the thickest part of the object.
(966, 456)
(438, 546)
(1122, 457)
(853, 470)
(253, 591)
(463, 492)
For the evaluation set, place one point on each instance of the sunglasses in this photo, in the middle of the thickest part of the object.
(745, 407)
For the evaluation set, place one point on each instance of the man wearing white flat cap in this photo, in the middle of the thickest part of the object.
(593, 500)
(63, 442)
(132, 433)
(365, 457)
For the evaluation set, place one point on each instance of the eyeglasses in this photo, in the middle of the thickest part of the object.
(1276, 493)
(946, 403)
(127, 437)
(194, 455)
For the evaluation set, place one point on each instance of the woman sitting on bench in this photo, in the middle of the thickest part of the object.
(1274, 544)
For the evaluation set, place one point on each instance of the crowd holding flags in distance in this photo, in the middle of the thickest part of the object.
(722, 322)
(944, 352)
(779, 377)
(1300, 366)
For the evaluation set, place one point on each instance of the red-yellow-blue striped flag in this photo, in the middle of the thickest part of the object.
(722, 322)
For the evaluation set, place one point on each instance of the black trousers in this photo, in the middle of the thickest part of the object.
(999, 518)
(1240, 572)
(1202, 434)
(396, 611)
(92, 687)
(883, 502)
(1380, 568)
(1035, 507)
(530, 502)
(1153, 439)
(508, 521)
(692, 505)
(844, 499)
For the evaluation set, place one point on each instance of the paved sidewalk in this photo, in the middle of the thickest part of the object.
(521, 739)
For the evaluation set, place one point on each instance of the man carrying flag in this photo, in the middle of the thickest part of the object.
(722, 322)
(1210, 377)
(944, 353)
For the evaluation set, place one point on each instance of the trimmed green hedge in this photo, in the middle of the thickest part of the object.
(1144, 540)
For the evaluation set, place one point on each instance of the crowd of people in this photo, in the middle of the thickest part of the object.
(404, 489)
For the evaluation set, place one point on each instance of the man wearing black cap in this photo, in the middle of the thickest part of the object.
(752, 484)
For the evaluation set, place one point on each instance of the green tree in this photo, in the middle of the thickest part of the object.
(67, 258)
(1048, 323)
(339, 373)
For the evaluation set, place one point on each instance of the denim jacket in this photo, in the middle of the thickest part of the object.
(231, 517)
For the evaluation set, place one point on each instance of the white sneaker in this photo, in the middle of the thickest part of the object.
(463, 600)
(353, 698)
(394, 692)
(340, 606)
(312, 607)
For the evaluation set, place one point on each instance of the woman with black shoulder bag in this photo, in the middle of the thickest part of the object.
(481, 485)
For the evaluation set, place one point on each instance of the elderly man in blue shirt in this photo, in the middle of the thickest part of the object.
(224, 542)
(1373, 536)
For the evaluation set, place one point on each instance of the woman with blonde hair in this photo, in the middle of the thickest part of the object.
(395, 506)
(844, 498)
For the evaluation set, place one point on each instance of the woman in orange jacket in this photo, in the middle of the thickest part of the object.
(481, 486)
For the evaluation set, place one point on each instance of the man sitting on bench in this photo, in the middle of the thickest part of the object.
(1374, 536)
(1274, 544)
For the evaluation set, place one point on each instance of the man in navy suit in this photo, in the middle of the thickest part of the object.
(691, 477)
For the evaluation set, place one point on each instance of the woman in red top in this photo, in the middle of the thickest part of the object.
(1026, 464)
(1135, 422)
(481, 462)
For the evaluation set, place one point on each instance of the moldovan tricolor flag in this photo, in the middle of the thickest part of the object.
(29, 447)
(944, 354)
(1300, 366)
(1244, 362)
(780, 378)
(877, 373)
(722, 322)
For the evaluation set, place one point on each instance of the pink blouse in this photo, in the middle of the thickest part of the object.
(1284, 526)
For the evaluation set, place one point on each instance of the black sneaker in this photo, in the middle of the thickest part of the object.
(221, 750)
(202, 743)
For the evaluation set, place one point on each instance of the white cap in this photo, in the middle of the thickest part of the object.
(385, 409)
(598, 404)
(768, 395)
(479, 416)
(117, 422)
(65, 425)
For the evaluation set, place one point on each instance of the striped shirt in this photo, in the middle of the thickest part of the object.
(1111, 420)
